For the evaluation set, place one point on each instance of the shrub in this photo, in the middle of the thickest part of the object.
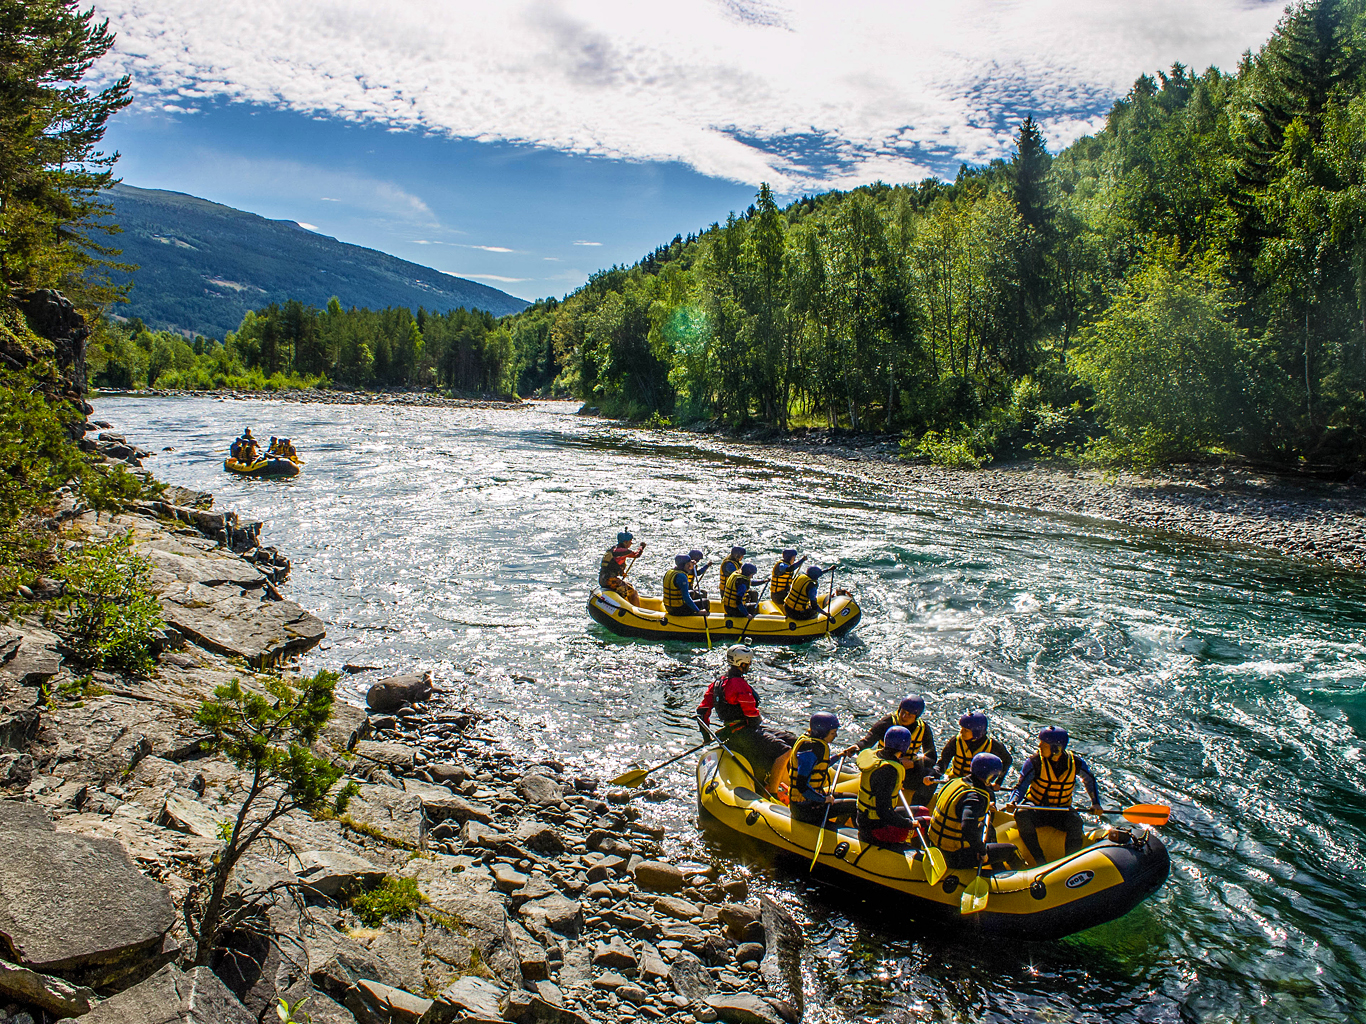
(112, 615)
(394, 897)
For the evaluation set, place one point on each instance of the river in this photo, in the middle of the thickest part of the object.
(1226, 683)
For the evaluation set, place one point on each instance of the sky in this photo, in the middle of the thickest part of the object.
(528, 144)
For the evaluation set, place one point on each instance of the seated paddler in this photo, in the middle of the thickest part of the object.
(972, 739)
(731, 563)
(784, 569)
(696, 575)
(1047, 780)
(244, 449)
(810, 780)
(881, 817)
(678, 593)
(612, 570)
(743, 730)
(802, 600)
(738, 597)
(961, 826)
(909, 714)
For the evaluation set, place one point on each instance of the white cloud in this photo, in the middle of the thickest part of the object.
(488, 248)
(801, 93)
(582, 242)
(493, 277)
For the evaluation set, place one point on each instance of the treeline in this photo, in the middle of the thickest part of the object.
(294, 345)
(1192, 279)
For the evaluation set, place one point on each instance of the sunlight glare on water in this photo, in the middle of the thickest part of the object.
(1228, 684)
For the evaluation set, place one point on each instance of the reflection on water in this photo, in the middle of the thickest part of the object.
(1227, 684)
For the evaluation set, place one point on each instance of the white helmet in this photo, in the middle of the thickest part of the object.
(739, 655)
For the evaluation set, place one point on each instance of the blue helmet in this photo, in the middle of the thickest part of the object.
(625, 537)
(695, 555)
(896, 739)
(749, 568)
(682, 561)
(822, 722)
(814, 572)
(912, 706)
(976, 722)
(986, 767)
(737, 552)
(789, 554)
(1054, 736)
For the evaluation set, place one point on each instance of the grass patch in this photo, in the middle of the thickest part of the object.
(394, 897)
(360, 827)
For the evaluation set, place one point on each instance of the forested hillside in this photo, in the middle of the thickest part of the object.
(1191, 279)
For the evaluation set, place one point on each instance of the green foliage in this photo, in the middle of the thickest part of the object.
(112, 615)
(392, 898)
(289, 1013)
(111, 489)
(342, 800)
(960, 449)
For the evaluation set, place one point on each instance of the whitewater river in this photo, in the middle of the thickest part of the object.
(1226, 683)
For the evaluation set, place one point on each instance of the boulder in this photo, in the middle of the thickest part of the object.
(57, 997)
(556, 913)
(329, 873)
(744, 1008)
(538, 836)
(75, 906)
(741, 921)
(391, 755)
(530, 954)
(659, 876)
(391, 811)
(508, 879)
(615, 955)
(476, 833)
(690, 977)
(209, 572)
(347, 727)
(748, 952)
(525, 1007)
(466, 998)
(672, 906)
(391, 1005)
(173, 997)
(392, 693)
(782, 967)
(259, 632)
(186, 815)
(448, 774)
(538, 789)
(441, 804)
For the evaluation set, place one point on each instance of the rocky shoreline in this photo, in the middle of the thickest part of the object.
(545, 898)
(327, 396)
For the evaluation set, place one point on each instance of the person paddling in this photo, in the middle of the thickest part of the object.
(737, 705)
(972, 739)
(961, 826)
(612, 570)
(695, 577)
(731, 563)
(908, 715)
(678, 594)
(780, 579)
(1048, 779)
(881, 818)
(811, 782)
(803, 599)
(737, 596)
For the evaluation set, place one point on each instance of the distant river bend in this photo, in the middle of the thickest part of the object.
(1229, 684)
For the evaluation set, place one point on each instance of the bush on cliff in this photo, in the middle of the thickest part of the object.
(112, 615)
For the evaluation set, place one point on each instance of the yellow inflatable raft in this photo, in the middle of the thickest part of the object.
(268, 465)
(1066, 894)
(648, 621)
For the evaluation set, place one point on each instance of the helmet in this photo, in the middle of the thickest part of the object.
(625, 537)
(695, 555)
(976, 721)
(815, 572)
(749, 568)
(739, 655)
(912, 706)
(896, 739)
(682, 561)
(1054, 736)
(273, 439)
(986, 767)
(822, 722)
(789, 554)
(737, 552)
(246, 432)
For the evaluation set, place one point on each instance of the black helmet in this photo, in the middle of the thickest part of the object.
(625, 537)
(985, 767)
(749, 568)
(789, 554)
(737, 552)
(822, 722)
(912, 706)
(695, 555)
(896, 739)
(976, 722)
(1054, 736)
(682, 561)
(815, 572)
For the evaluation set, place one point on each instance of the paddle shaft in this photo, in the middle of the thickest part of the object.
(1139, 814)
(820, 839)
(830, 599)
(672, 760)
(754, 613)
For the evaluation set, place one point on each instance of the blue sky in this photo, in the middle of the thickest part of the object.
(528, 144)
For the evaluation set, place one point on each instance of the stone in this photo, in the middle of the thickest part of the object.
(391, 811)
(740, 919)
(606, 868)
(550, 992)
(538, 836)
(632, 994)
(57, 997)
(672, 906)
(538, 789)
(652, 965)
(448, 774)
(261, 633)
(392, 1005)
(391, 755)
(609, 981)
(525, 1007)
(476, 833)
(173, 997)
(782, 970)
(507, 878)
(74, 905)
(186, 815)
(556, 913)
(749, 952)
(441, 804)
(744, 1008)
(659, 876)
(465, 998)
(605, 842)
(531, 955)
(346, 727)
(392, 693)
(194, 568)
(337, 963)
(614, 954)
(330, 873)
(536, 887)
(690, 977)
(735, 888)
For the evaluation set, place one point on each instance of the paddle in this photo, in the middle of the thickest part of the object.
(974, 899)
(830, 599)
(1140, 814)
(636, 776)
(820, 840)
(936, 867)
(743, 764)
(751, 619)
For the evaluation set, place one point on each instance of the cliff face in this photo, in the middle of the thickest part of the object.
(42, 333)
(53, 318)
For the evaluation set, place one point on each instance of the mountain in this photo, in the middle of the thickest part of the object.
(201, 266)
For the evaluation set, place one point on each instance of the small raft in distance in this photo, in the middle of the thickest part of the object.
(269, 465)
(1102, 881)
(648, 621)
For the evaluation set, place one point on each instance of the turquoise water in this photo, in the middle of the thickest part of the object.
(1226, 683)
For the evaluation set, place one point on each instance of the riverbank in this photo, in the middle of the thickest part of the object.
(322, 396)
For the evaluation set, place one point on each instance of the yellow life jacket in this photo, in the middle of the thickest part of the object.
(1052, 786)
(917, 731)
(796, 599)
(728, 566)
(780, 579)
(730, 591)
(609, 569)
(964, 752)
(867, 805)
(675, 588)
(946, 827)
(820, 771)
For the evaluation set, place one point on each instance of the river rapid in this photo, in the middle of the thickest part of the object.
(1226, 683)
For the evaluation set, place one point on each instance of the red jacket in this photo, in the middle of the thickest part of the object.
(732, 697)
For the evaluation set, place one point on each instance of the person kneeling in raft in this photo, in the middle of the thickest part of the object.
(737, 596)
(810, 784)
(1047, 780)
(767, 750)
(731, 563)
(679, 597)
(908, 715)
(612, 571)
(881, 819)
(780, 580)
(972, 739)
(961, 826)
(695, 575)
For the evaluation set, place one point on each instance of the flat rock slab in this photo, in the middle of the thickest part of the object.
(74, 905)
(219, 619)
(744, 1008)
(197, 568)
(186, 815)
(395, 813)
(442, 804)
(394, 755)
(173, 997)
(465, 998)
(57, 997)
(329, 872)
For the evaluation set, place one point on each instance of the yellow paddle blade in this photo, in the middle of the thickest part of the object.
(630, 779)
(935, 866)
(974, 896)
(1147, 814)
(817, 855)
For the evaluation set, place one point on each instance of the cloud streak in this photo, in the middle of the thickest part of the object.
(807, 93)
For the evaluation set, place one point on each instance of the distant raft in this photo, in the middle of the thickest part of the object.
(648, 621)
(266, 466)
(1102, 881)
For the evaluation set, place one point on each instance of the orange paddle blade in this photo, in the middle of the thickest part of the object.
(1147, 814)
